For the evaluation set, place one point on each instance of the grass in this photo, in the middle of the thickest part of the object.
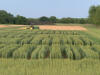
(22, 66)
(49, 67)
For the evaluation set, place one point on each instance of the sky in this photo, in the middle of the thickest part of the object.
(58, 8)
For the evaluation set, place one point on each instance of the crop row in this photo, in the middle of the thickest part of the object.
(31, 51)
(49, 40)
(35, 32)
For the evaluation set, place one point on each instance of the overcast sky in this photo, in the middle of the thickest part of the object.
(58, 8)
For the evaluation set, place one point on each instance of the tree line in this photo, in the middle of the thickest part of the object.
(8, 18)
(94, 15)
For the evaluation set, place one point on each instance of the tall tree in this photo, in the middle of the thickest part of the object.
(94, 15)
(92, 12)
(20, 20)
(53, 19)
(6, 18)
(44, 19)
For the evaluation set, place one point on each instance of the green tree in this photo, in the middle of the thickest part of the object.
(97, 16)
(44, 19)
(94, 15)
(53, 19)
(20, 20)
(92, 12)
(6, 18)
(33, 21)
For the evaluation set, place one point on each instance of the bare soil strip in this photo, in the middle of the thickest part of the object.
(17, 25)
(3, 26)
(62, 28)
(50, 27)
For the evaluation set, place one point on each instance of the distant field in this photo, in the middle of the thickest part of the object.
(50, 52)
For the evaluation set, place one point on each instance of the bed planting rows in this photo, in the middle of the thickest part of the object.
(42, 44)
